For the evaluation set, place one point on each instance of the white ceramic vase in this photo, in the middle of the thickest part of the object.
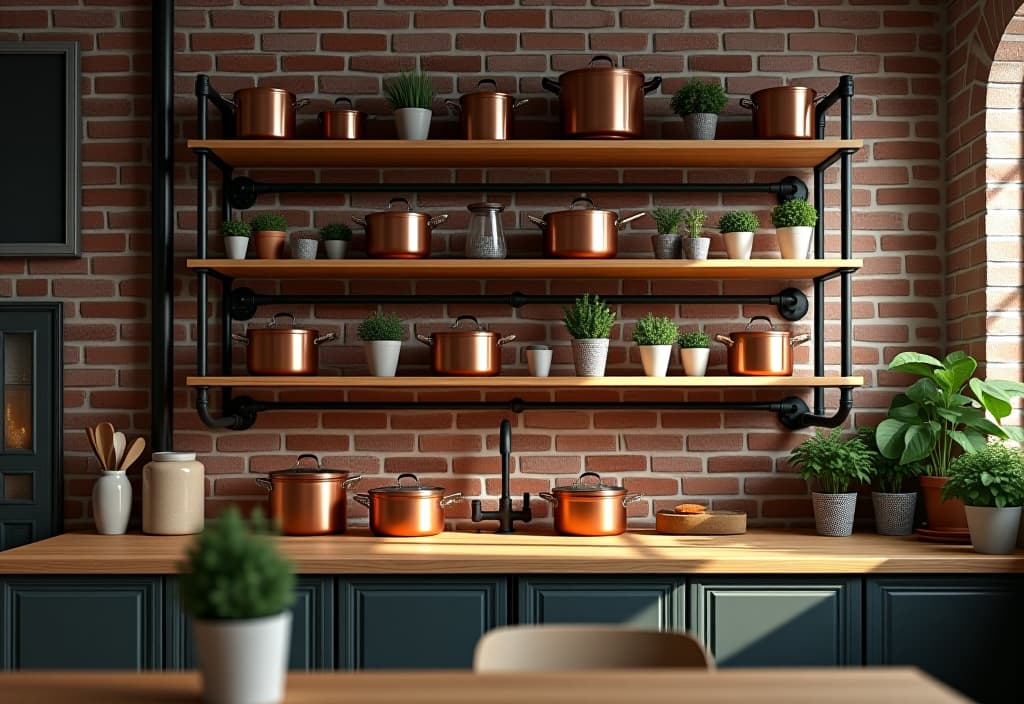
(112, 502)
(833, 513)
(236, 247)
(382, 356)
(993, 530)
(655, 359)
(243, 661)
(413, 123)
(590, 356)
(738, 245)
(694, 360)
(794, 242)
(335, 249)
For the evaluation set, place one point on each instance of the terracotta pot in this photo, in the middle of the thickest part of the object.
(269, 243)
(942, 515)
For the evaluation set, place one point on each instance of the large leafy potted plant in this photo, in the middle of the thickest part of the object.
(383, 334)
(699, 103)
(655, 337)
(830, 465)
(666, 242)
(894, 507)
(794, 223)
(738, 228)
(589, 321)
(694, 350)
(990, 482)
(939, 415)
(411, 94)
(239, 590)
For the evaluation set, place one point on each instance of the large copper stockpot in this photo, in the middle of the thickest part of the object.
(407, 510)
(342, 123)
(399, 234)
(586, 232)
(761, 352)
(458, 352)
(593, 508)
(784, 112)
(485, 114)
(602, 101)
(282, 348)
(265, 113)
(309, 500)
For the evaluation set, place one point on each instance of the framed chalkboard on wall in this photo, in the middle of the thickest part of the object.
(40, 137)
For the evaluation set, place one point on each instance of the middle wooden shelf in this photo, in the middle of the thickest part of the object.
(506, 383)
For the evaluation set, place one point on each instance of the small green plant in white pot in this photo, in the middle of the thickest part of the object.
(830, 465)
(699, 104)
(655, 337)
(794, 223)
(383, 334)
(695, 245)
(269, 231)
(411, 94)
(335, 237)
(236, 234)
(990, 482)
(590, 322)
(666, 243)
(694, 350)
(738, 228)
(894, 506)
(239, 590)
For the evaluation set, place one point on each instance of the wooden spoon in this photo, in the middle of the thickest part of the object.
(95, 448)
(120, 441)
(133, 452)
(105, 444)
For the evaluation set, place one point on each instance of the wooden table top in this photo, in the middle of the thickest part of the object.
(767, 686)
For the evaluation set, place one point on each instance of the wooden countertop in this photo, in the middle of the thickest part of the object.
(465, 552)
(775, 686)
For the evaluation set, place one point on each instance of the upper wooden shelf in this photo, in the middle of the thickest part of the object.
(532, 383)
(541, 153)
(764, 269)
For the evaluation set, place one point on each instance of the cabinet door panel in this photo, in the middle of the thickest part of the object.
(82, 623)
(640, 602)
(416, 622)
(964, 631)
(777, 622)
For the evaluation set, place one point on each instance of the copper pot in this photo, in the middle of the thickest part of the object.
(282, 348)
(761, 352)
(309, 500)
(465, 352)
(785, 112)
(265, 113)
(342, 123)
(602, 101)
(407, 510)
(583, 508)
(485, 114)
(399, 234)
(586, 233)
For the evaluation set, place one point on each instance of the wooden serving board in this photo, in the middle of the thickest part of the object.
(707, 523)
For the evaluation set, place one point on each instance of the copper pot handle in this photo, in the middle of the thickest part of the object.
(602, 57)
(651, 84)
(359, 220)
(765, 318)
(520, 103)
(539, 222)
(631, 498)
(620, 223)
(351, 105)
(410, 475)
(351, 480)
(453, 106)
(300, 103)
(506, 339)
(363, 499)
(748, 104)
(426, 340)
(551, 85)
(264, 484)
(458, 320)
(799, 339)
(451, 499)
(549, 497)
(436, 220)
(239, 338)
(579, 480)
(308, 456)
(725, 340)
(325, 338)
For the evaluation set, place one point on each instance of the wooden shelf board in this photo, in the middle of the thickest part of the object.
(525, 268)
(647, 153)
(516, 383)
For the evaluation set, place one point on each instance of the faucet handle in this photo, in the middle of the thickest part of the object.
(505, 438)
(526, 513)
(477, 515)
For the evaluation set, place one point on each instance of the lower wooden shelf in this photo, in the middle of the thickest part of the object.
(528, 382)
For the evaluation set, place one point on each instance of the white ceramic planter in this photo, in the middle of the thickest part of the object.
(993, 530)
(738, 245)
(335, 249)
(236, 247)
(655, 359)
(833, 513)
(382, 356)
(590, 356)
(243, 661)
(694, 360)
(111, 502)
(538, 360)
(794, 242)
(894, 513)
(412, 123)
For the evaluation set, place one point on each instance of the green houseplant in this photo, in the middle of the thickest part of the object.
(269, 230)
(694, 350)
(830, 465)
(990, 482)
(589, 322)
(694, 245)
(335, 237)
(239, 590)
(236, 234)
(666, 242)
(411, 95)
(738, 228)
(794, 222)
(699, 103)
(382, 334)
(655, 337)
(894, 507)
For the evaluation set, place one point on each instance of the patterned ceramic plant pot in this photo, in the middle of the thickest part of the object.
(590, 356)
(833, 513)
(666, 246)
(894, 513)
(696, 247)
(701, 125)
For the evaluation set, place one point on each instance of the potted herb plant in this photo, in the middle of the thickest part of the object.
(411, 94)
(699, 103)
(589, 321)
(830, 465)
(695, 246)
(794, 223)
(383, 334)
(990, 482)
(894, 507)
(943, 412)
(335, 236)
(655, 337)
(694, 350)
(236, 234)
(239, 590)
(666, 242)
(269, 230)
(738, 228)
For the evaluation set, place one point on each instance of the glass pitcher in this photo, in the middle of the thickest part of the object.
(485, 239)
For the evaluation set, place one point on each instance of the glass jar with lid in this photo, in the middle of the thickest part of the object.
(485, 238)
(173, 494)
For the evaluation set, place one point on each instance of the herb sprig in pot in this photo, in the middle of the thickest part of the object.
(830, 465)
(590, 322)
(655, 336)
(382, 334)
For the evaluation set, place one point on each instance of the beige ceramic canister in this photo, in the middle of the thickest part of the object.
(173, 494)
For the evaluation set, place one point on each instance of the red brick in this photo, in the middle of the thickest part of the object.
(553, 41)
(354, 42)
(242, 19)
(313, 19)
(774, 19)
(774, 485)
(222, 41)
(421, 42)
(652, 19)
(373, 19)
(711, 485)
(24, 19)
(488, 42)
(527, 19)
(587, 19)
(586, 443)
(84, 18)
(822, 41)
(720, 19)
(615, 463)
(271, 42)
(654, 486)
(721, 64)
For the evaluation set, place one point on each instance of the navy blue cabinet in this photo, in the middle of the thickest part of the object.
(643, 602)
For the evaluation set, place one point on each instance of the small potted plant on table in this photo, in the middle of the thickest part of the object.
(666, 242)
(794, 223)
(694, 350)
(589, 321)
(655, 337)
(335, 236)
(738, 228)
(894, 507)
(236, 234)
(695, 246)
(990, 482)
(830, 465)
(698, 104)
(239, 590)
(383, 334)
(269, 229)
(411, 94)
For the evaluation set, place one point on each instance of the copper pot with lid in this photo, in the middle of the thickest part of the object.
(761, 352)
(466, 352)
(342, 123)
(590, 508)
(485, 114)
(309, 500)
(782, 112)
(399, 234)
(265, 113)
(407, 510)
(282, 348)
(586, 232)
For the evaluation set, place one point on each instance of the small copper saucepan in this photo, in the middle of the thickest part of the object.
(399, 234)
(265, 113)
(590, 508)
(475, 352)
(342, 123)
(308, 500)
(586, 232)
(761, 352)
(280, 348)
(485, 114)
(407, 510)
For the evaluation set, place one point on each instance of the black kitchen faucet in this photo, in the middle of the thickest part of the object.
(504, 515)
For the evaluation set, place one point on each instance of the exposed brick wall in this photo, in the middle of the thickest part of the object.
(322, 49)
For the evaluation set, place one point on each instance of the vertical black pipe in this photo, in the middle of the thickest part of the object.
(846, 228)
(162, 227)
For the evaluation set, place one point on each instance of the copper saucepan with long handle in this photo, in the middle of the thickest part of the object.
(586, 232)
(466, 352)
(761, 352)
